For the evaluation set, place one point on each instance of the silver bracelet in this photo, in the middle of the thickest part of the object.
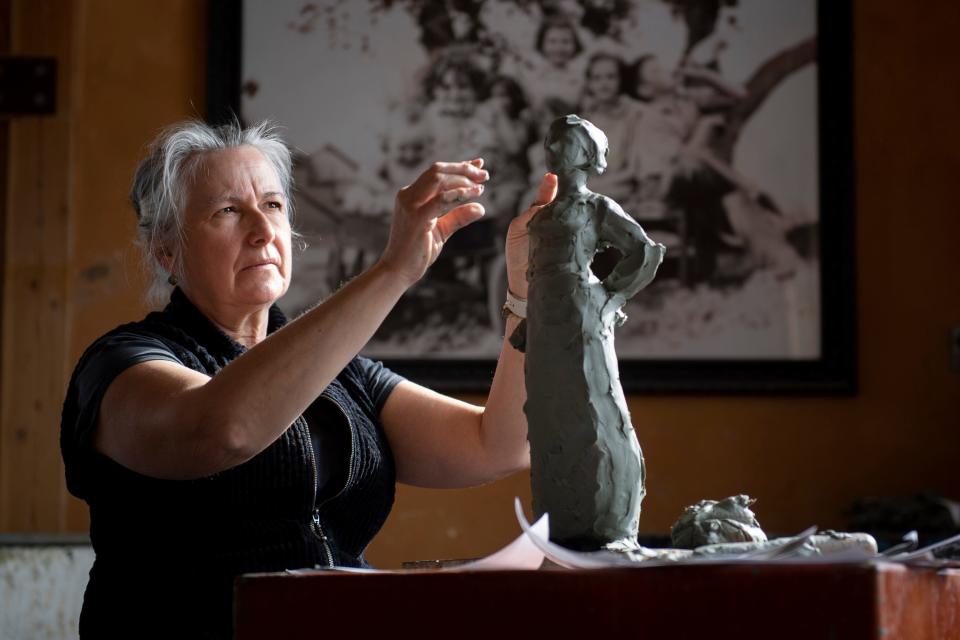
(515, 305)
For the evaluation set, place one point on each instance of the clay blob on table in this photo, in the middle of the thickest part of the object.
(587, 470)
(728, 527)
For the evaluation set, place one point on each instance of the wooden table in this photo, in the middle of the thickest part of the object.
(841, 601)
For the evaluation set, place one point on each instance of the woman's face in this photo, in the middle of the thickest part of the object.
(236, 249)
(559, 45)
(603, 80)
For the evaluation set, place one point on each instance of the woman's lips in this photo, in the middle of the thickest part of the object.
(261, 265)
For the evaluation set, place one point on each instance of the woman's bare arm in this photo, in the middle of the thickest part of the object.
(438, 441)
(441, 442)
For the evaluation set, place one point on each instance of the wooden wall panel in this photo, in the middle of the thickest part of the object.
(36, 253)
(140, 66)
(126, 70)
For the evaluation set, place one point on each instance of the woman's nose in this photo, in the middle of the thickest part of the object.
(261, 229)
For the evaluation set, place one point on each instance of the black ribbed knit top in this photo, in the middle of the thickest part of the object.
(167, 551)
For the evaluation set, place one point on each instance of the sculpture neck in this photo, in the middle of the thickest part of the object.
(571, 183)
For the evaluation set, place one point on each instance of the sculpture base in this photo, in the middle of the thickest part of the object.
(592, 544)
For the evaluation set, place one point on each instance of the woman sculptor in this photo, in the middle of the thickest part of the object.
(215, 437)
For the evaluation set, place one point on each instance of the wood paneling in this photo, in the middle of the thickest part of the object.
(140, 66)
(126, 69)
(36, 253)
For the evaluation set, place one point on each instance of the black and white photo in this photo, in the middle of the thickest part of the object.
(713, 113)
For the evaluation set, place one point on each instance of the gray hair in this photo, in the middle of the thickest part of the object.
(161, 183)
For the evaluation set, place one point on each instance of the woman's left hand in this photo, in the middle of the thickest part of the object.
(517, 248)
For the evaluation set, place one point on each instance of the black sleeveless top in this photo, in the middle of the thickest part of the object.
(167, 551)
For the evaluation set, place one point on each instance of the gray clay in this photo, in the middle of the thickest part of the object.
(712, 522)
(587, 470)
(821, 544)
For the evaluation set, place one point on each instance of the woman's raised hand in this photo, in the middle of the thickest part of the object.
(517, 248)
(428, 212)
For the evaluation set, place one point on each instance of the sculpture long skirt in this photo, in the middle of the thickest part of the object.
(586, 466)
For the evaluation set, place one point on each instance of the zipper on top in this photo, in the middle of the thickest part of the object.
(317, 529)
(315, 525)
(350, 457)
(315, 513)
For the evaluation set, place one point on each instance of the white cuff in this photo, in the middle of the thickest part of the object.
(515, 305)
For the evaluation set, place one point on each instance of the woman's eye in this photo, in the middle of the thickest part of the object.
(274, 205)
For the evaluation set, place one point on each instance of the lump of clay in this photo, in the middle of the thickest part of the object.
(712, 522)
(822, 544)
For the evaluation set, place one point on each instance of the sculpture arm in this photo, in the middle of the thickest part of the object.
(641, 254)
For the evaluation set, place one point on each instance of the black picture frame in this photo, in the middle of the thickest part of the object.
(834, 372)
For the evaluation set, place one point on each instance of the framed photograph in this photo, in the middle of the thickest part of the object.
(730, 131)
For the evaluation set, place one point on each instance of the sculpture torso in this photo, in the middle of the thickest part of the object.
(564, 236)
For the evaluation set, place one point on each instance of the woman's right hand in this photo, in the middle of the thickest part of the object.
(428, 212)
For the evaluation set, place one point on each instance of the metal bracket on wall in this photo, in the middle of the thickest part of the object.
(28, 86)
(955, 349)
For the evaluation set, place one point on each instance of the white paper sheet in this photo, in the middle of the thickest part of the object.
(557, 554)
(522, 553)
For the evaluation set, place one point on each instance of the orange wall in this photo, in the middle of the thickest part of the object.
(139, 65)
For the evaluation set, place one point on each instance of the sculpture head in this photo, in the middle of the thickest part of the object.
(575, 144)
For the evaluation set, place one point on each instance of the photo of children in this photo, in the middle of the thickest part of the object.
(710, 107)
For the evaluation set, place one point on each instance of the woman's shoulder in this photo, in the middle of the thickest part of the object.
(105, 359)
(369, 381)
(151, 338)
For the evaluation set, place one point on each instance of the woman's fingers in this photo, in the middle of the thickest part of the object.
(547, 191)
(456, 219)
(461, 194)
(439, 175)
(452, 183)
(451, 189)
(517, 241)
